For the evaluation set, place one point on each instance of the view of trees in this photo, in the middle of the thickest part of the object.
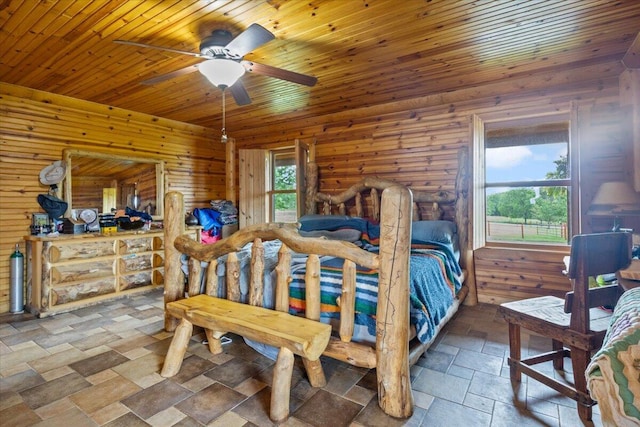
(549, 206)
(512, 204)
(285, 179)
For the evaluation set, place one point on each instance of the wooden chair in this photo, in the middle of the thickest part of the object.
(582, 331)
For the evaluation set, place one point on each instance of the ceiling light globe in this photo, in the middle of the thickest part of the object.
(221, 72)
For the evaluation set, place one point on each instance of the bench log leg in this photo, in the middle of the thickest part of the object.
(177, 349)
(214, 340)
(315, 372)
(281, 389)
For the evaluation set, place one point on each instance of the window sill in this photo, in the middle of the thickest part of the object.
(556, 248)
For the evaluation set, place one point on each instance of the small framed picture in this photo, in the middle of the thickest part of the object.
(39, 219)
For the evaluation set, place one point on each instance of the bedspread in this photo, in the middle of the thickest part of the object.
(613, 376)
(434, 283)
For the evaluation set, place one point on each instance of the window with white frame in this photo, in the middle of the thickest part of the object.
(523, 182)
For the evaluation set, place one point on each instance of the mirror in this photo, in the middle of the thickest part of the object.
(104, 181)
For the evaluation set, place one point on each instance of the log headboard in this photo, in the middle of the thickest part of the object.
(433, 200)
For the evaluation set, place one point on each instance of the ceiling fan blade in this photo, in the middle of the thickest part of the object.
(240, 94)
(251, 38)
(168, 49)
(164, 77)
(279, 73)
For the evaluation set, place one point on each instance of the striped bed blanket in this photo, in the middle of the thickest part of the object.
(434, 282)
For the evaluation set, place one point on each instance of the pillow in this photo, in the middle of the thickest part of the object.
(440, 231)
(345, 234)
(331, 222)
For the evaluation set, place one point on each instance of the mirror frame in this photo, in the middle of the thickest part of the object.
(68, 155)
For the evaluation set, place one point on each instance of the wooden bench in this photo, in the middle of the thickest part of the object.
(292, 334)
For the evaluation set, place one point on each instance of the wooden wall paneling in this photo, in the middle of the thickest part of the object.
(84, 191)
(606, 154)
(35, 127)
(504, 274)
(630, 97)
(416, 142)
(146, 184)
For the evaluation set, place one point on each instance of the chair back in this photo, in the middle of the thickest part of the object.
(593, 255)
(599, 253)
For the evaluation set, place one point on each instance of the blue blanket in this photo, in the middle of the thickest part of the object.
(434, 282)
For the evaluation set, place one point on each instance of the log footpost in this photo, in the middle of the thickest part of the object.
(392, 343)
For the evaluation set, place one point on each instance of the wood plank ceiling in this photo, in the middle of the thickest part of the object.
(363, 52)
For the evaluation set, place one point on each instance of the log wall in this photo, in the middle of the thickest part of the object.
(415, 142)
(35, 128)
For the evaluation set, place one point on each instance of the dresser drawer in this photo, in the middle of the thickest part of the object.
(82, 271)
(135, 245)
(136, 280)
(70, 293)
(84, 249)
(135, 262)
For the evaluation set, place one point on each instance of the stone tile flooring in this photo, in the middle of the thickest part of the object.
(100, 366)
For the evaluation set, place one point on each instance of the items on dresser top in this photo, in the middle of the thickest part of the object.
(73, 226)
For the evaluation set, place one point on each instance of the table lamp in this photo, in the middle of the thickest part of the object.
(616, 199)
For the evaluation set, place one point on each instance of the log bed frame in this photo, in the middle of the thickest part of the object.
(395, 350)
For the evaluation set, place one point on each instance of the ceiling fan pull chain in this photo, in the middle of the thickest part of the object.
(224, 137)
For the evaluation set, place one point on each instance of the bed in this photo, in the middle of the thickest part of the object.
(613, 376)
(386, 283)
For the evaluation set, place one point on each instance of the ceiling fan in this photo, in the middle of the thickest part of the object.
(224, 63)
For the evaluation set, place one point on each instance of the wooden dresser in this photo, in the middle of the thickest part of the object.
(71, 271)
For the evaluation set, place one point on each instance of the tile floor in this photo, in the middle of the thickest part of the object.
(100, 366)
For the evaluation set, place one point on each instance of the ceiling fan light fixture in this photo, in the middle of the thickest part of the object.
(222, 72)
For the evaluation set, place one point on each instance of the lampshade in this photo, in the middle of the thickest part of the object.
(222, 72)
(616, 198)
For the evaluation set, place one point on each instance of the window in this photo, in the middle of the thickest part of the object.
(272, 184)
(524, 177)
(283, 202)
